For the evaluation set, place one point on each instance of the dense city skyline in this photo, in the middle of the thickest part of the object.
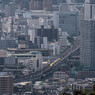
(47, 47)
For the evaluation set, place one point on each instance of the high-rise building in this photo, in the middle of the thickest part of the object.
(40, 5)
(36, 5)
(89, 12)
(23, 3)
(77, 1)
(88, 44)
(11, 8)
(6, 84)
(87, 52)
(68, 21)
(51, 33)
(56, 2)
(8, 43)
(1, 5)
(47, 5)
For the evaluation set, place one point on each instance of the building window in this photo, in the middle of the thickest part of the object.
(37, 63)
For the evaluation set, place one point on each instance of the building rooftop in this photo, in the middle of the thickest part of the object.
(22, 83)
(3, 53)
(4, 74)
(31, 53)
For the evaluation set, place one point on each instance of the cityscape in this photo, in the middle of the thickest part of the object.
(47, 47)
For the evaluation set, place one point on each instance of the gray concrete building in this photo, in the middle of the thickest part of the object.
(40, 5)
(11, 8)
(88, 44)
(1, 5)
(89, 9)
(68, 21)
(8, 43)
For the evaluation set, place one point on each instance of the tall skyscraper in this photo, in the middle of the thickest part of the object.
(88, 44)
(89, 9)
(87, 56)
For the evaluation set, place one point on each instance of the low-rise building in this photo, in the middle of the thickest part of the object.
(22, 87)
(63, 39)
(31, 59)
(60, 75)
(81, 86)
(55, 47)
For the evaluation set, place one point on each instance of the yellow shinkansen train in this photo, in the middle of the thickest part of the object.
(54, 62)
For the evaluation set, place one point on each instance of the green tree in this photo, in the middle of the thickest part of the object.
(77, 92)
(92, 93)
(77, 65)
(94, 87)
(64, 93)
(21, 66)
(84, 92)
